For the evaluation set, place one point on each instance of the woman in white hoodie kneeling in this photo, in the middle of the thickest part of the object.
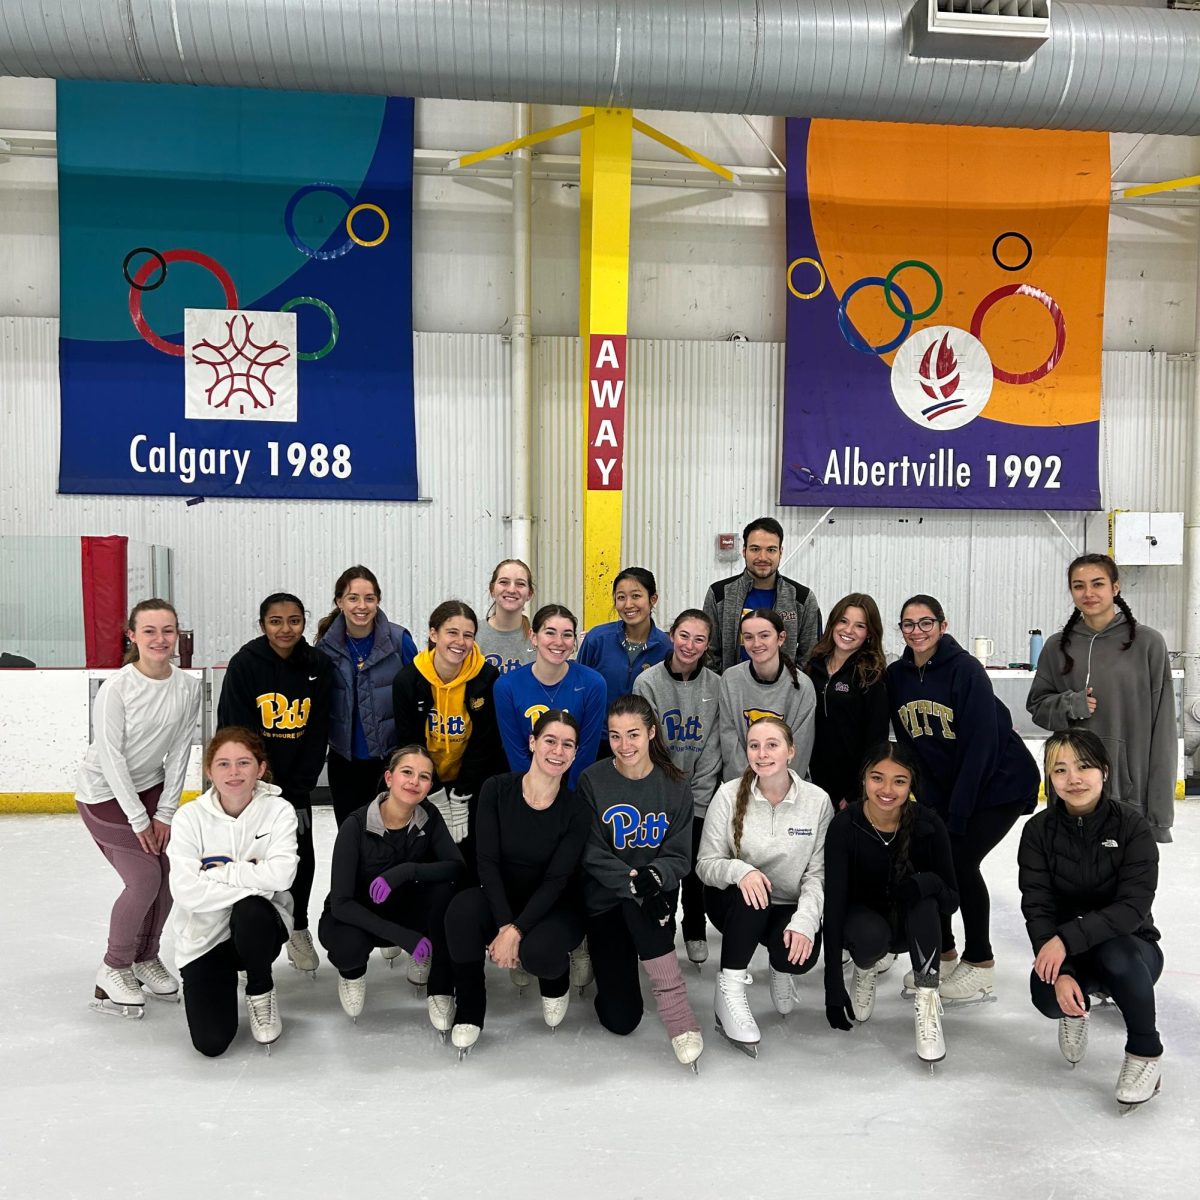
(233, 858)
(762, 860)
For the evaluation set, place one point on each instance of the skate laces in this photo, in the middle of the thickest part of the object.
(262, 1008)
(736, 998)
(1137, 1072)
(864, 983)
(155, 973)
(929, 1010)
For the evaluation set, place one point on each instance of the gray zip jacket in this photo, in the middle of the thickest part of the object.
(688, 713)
(1135, 710)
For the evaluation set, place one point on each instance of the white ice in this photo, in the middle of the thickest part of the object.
(97, 1106)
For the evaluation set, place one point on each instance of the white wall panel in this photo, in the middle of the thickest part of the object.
(231, 553)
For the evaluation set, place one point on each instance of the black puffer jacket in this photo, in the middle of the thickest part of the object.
(1087, 879)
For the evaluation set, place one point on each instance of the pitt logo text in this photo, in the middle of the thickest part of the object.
(630, 829)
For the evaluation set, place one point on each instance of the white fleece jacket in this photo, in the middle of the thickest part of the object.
(261, 844)
(785, 842)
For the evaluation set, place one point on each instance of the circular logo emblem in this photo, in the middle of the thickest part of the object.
(942, 377)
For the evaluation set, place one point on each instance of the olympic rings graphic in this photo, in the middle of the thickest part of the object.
(852, 336)
(137, 287)
(1012, 233)
(334, 327)
(792, 288)
(289, 215)
(890, 283)
(158, 258)
(1060, 330)
(367, 208)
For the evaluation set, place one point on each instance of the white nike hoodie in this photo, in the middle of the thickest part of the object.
(261, 846)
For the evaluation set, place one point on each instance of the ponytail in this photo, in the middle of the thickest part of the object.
(631, 705)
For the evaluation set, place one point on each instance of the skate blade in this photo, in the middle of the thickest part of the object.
(968, 1001)
(167, 998)
(311, 972)
(1127, 1106)
(932, 1062)
(131, 1012)
(749, 1049)
(695, 1067)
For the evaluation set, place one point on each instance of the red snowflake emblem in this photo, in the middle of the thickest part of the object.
(241, 367)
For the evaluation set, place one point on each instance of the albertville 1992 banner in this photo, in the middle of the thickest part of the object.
(236, 293)
(944, 316)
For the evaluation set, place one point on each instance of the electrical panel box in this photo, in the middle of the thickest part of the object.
(1137, 539)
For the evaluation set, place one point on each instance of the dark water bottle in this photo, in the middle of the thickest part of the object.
(187, 642)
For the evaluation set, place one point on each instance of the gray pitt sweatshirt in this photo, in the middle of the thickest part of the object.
(635, 823)
(688, 713)
(745, 698)
(1135, 710)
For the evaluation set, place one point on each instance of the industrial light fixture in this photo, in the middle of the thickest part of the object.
(980, 30)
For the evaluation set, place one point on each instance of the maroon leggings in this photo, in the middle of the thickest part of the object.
(141, 910)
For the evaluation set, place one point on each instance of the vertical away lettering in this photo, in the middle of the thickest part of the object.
(606, 413)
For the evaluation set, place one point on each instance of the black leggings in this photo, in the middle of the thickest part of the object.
(691, 892)
(744, 929)
(1125, 967)
(545, 950)
(617, 940)
(869, 935)
(305, 873)
(210, 982)
(353, 782)
(416, 906)
(985, 831)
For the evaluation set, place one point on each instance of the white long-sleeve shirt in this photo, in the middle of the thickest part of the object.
(261, 845)
(143, 734)
(786, 842)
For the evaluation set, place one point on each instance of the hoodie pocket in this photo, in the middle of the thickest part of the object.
(1120, 782)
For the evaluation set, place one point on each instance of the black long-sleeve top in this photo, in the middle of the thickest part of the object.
(860, 870)
(366, 848)
(1087, 879)
(528, 858)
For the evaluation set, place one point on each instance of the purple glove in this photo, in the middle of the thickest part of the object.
(379, 890)
(422, 952)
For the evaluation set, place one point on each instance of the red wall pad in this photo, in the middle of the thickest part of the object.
(105, 604)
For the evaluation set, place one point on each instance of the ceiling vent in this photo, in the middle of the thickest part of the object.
(983, 30)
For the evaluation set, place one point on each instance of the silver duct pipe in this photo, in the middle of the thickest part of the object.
(1104, 67)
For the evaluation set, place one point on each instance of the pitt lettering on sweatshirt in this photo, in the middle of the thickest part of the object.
(914, 716)
(278, 712)
(630, 829)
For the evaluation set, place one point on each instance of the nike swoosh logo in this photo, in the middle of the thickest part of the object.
(706, 700)
(312, 678)
(260, 835)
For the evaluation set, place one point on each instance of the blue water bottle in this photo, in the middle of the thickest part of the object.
(1035, 647)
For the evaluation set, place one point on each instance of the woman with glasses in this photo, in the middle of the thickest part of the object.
(976, 774)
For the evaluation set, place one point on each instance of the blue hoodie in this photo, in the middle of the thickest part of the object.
(521, 698)
(970, 756)
(603, 652)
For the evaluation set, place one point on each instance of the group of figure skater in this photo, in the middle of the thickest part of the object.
(514, 793)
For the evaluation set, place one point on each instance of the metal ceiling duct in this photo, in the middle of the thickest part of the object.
(1104, 67)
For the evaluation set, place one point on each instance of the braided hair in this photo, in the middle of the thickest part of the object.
(903, 757)
(1109, 567)
(776, 622)
(747, 781)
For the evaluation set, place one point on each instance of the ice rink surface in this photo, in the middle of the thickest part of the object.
(98, 1106)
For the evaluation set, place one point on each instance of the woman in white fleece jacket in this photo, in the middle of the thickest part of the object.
(762, 860)
(233, 858)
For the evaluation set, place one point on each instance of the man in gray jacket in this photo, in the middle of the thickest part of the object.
(761, 586)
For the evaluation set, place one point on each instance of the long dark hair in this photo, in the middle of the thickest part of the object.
(747, 782)
(302, 647)
(776, 622)
(900, 754)
(639, 706)
(871, 662)
(344, 580)
(1109, 567)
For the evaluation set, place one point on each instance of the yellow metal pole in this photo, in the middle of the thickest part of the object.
(606, 156)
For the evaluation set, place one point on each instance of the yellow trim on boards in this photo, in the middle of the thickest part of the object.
(50, 802)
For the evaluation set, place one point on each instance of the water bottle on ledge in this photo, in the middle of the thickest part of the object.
(1035, 647)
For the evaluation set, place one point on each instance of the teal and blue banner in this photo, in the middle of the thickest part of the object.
(236, 302)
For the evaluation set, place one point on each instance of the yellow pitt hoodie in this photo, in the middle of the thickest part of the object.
(449, 727)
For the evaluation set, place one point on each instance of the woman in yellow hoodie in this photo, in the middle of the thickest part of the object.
(443, 701)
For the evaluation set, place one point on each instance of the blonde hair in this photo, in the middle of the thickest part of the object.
(504, 562)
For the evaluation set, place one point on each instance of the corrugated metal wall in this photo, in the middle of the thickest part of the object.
(701, 458)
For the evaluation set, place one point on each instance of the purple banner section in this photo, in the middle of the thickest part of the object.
(846, 440)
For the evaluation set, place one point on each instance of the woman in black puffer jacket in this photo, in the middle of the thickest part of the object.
(1088, 874)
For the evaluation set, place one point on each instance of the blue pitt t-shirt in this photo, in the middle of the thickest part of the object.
(755, 598)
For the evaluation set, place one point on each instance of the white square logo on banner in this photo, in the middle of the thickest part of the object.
(239, 365)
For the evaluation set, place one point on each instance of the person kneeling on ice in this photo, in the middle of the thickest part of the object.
(889, 879)
(233, 860)
(1088, 876)
(762, 859)
(637, 852)
(394, 871)
(528, 912)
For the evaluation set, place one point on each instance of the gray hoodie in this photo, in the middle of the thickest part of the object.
(745, 698)
(1135, 710)
(688, 712)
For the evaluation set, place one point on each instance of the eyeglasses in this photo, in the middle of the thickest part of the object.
(925, 624)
